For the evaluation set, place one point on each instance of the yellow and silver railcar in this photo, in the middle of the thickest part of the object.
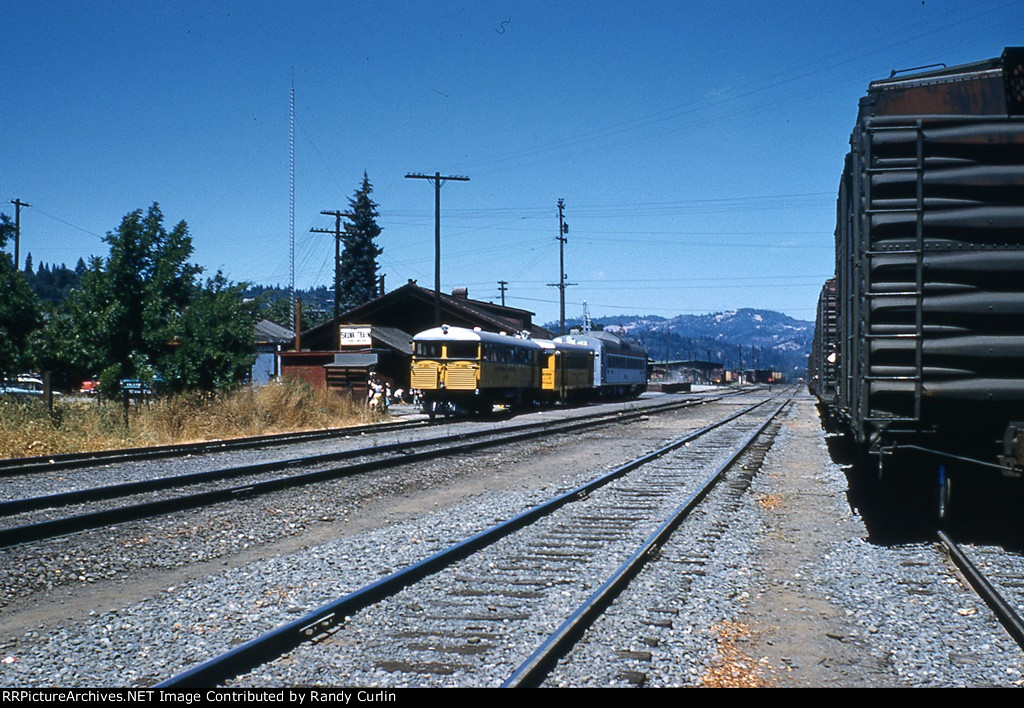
(566, 371)
(459, 369)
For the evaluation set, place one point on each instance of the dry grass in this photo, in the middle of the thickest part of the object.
(27, 429)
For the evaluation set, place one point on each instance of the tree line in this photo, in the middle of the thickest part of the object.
(145, 311)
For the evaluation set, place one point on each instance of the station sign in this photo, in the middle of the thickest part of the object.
(355, 335)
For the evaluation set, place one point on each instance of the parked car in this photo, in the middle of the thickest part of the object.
(24, 386)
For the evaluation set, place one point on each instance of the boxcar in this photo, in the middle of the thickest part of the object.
(927, 344)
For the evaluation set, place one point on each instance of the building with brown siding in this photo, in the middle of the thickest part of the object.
(375, 339)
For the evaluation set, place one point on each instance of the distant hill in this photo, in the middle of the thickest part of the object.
(762, 338)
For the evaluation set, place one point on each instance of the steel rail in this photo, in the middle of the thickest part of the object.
(286, 637)
(96, 519)
(532, 672)
(1004, 611)
(113, 491)
(44, 463)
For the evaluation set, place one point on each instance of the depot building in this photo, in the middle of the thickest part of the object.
(375, 339)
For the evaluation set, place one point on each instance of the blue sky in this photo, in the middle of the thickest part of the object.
(697, 146)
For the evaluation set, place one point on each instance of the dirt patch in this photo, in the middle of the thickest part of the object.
(794, 627)
(732, 667)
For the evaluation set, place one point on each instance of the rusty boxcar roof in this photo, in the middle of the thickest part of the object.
(988, 87)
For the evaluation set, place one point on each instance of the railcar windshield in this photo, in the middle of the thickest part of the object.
(462, 350)
(428, 350)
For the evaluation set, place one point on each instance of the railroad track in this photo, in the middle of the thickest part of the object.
(31, 518)
(1003, 592)
(473, 612)
(46, 463)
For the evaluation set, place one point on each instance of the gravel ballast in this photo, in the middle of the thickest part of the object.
(195, 613)
(778, 587)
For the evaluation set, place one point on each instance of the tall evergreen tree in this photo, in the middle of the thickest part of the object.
(359, 259)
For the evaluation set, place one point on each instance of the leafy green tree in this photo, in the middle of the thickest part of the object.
(212, 339)
(6, 232)
(137, 293)
(62, 346)
(359, 259)
(142, 312)
(19, 310)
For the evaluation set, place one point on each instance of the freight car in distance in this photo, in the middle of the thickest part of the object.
(920, 342)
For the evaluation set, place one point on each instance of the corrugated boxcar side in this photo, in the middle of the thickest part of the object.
(930, 268)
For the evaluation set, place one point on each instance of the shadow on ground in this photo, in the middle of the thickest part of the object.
(901, 504)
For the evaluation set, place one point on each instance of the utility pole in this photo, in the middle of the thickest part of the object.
(18, 204)
(563, 229)
(438, 180)
(337, 258)
(502, 288)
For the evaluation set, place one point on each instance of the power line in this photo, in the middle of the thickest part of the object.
(37, 210)
(764, 279)
(636, 308)
(772, 83)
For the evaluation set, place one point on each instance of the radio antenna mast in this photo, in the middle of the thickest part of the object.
(291, 201)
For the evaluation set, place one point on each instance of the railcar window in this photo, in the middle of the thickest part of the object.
(431, 350)
(462, 350)
(625, 362)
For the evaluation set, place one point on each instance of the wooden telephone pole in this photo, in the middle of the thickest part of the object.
(438, 180)
(337, 257)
